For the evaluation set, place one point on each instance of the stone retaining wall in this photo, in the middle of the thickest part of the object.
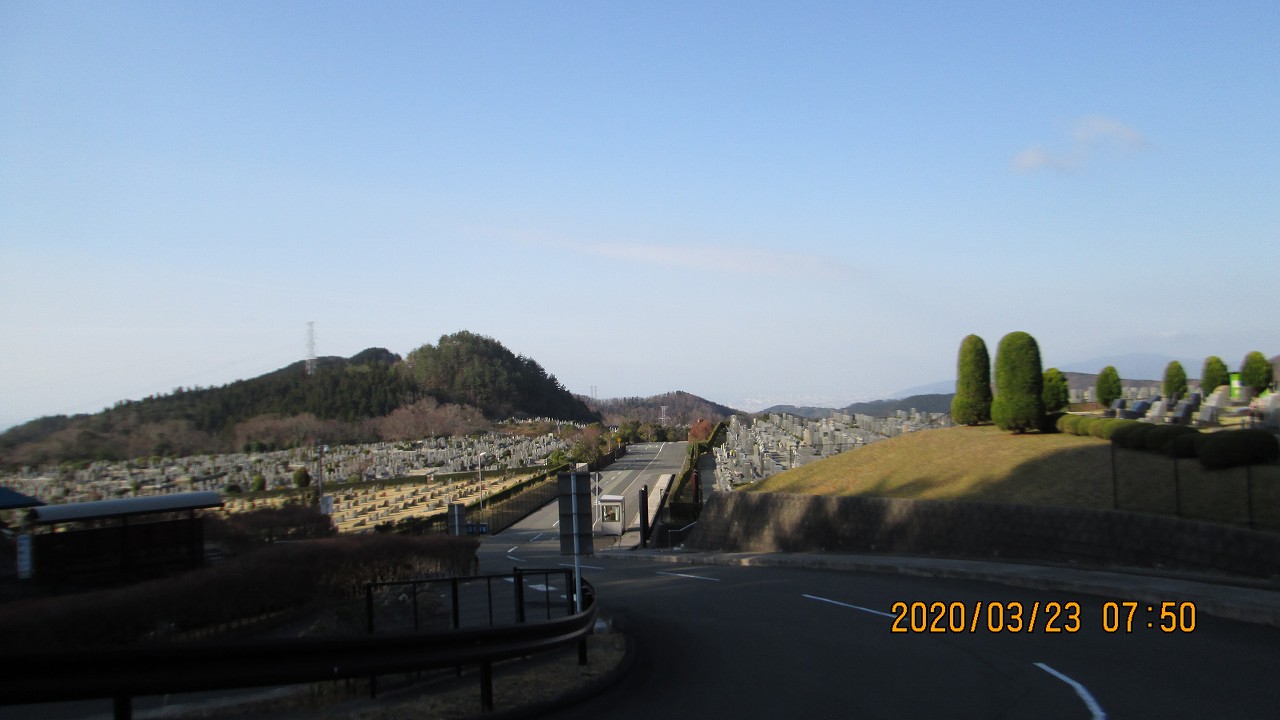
(766, 522)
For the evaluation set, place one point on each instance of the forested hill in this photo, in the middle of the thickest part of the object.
(682, 409)
(374, 395)
(363, 386)
(472, 369)
(340, 390)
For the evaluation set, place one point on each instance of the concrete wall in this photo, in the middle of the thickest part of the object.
(758, 522)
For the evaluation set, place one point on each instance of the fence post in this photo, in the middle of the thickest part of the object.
(1115, 492)
(546, 593)
(569, 582)
(453, 584)
(1177, 495)
(368, 608)
(415, 606)
(519, 583)
(486, 686)
(1248, 491)
(644, 516)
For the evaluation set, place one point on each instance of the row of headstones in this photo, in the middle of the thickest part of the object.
(354, 507)
(372, 461)
(1158, 410)
(1191, 409)
(1269, 409)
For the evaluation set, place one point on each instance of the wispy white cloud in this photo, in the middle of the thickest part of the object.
(1035, 158)
(1088, 136)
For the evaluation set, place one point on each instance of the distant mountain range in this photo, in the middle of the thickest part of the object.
(932, 402)
(681, 408)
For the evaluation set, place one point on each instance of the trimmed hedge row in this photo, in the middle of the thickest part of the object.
(1155, 438)
(1238, 447)
(1224, 449)
(1091, 426)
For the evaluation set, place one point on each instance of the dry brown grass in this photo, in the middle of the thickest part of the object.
(984, 464)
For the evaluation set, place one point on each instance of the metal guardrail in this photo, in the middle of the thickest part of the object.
(524, 595)
(124, 673)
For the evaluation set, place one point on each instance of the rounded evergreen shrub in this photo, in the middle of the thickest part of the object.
(1132, 437)
(1108, 387)
(1184, 445)
(972, 402)
(1233, 448)
(1175, 380)
(1213, 374)
(1068, 424)
(1158, 438)
(1085, 425)
(1056, 392)
(1018, 405)
(1263, 446)
(1256, 372)
(1105, 427)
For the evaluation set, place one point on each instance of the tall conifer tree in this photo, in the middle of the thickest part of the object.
(1213, 375)
(1108, 386)
(972, 403)
(1018, 404)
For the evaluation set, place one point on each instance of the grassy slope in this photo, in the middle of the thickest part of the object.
(985, 464)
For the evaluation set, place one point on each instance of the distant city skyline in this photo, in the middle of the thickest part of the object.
(744, 201)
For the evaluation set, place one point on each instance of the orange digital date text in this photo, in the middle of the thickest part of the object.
(985, 617)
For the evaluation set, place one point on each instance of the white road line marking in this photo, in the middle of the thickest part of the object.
(847, 605)
(1081, 690)
(535, 537)
(589, 567)
(555, 523)
(513, 548)
(693, 577)
(513, 557)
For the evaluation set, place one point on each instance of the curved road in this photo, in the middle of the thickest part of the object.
(722, 641)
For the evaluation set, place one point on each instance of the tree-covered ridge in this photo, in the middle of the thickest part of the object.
(340, 392)
(683, 409)
(367, 385)
(371, 396)
(472, 369)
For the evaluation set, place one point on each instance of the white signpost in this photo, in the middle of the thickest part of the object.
(575, 524)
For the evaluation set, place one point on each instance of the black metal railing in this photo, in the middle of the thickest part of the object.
(36, 676)
(523, 595)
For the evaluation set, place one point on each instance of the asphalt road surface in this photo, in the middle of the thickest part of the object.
(751, 642)
(537, 536)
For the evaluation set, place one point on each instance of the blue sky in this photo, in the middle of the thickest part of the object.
(754, 202)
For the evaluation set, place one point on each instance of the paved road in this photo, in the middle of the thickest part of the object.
(723, 641)
(537, 536)
(770, 642)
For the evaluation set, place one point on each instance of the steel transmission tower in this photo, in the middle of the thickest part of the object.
(311, 348)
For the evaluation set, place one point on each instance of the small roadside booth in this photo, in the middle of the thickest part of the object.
(110, 541)
(613, 515)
